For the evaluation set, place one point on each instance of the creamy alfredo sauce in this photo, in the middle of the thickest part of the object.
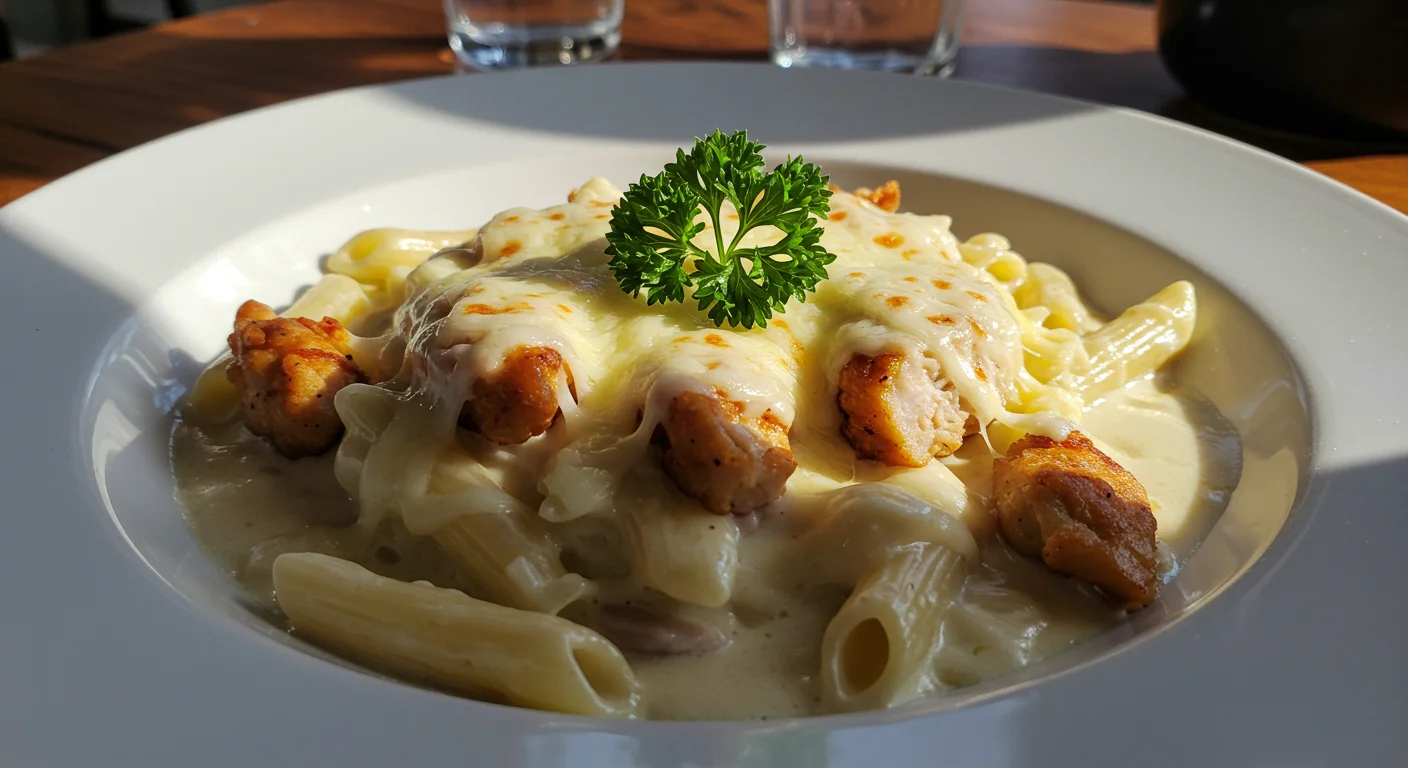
(247, 505)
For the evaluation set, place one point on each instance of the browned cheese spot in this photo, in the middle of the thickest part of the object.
(486, 309)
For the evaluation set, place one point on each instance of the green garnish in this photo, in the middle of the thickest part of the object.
(651, 241)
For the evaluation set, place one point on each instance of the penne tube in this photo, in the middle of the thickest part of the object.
(854, 527)
(993, 253)
(685, 553)
(512, 559)
(448, 638)
(1141, 339)
(212, 399)
(390, 461)
(1003, 634)
(380, 256)
(495, 539)
(880, 639)
(336, 296)
(1051, 354)
(1050, 288)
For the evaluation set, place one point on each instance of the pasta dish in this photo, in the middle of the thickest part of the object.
(531, 464)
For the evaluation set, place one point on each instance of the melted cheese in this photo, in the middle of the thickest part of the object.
(901, 283)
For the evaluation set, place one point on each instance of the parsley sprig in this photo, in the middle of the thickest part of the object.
(651, 242)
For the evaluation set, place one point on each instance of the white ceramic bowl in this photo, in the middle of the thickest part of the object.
(1279, 644)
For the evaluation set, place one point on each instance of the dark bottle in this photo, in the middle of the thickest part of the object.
(1327, 67)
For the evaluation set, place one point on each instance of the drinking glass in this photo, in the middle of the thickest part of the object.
(918, 36)
(494, 34)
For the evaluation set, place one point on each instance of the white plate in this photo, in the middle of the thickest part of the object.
(121, 644)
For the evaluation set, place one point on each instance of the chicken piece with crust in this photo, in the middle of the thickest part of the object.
(715, 454)
(519, 400)
(1081, 513)
(287, 370)
(897, 412)
(886, 197)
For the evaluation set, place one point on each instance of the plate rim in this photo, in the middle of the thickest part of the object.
(19, 210)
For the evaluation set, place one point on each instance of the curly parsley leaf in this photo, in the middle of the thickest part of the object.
(653, 229)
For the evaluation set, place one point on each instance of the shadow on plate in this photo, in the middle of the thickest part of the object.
(686, 99)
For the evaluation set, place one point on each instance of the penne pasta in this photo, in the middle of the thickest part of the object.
(1052, 355)
(382, 258)
(336, 296)
(688, 554)
(511, 558)
(853, 526)
(879, 640)
(1053, 291)
(1142, 338)
(450, 639)
(993, 254)
(212, 399)
(496, 540)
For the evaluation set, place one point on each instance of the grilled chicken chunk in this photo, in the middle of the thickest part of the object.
(1081, 513)
(519, 400)
(726, 461)
(897, 412)
(287, 371)
(886, 197)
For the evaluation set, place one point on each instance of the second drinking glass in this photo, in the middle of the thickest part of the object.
(918, 36)
(493, 34)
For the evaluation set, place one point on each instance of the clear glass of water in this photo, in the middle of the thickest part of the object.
(495, 34)
(919, 36)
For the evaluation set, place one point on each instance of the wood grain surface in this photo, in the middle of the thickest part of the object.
(65, 109)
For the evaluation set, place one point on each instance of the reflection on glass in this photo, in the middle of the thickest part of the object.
(919, 36)
(494, 34)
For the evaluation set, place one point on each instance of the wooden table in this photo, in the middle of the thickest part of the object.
(65, 109)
